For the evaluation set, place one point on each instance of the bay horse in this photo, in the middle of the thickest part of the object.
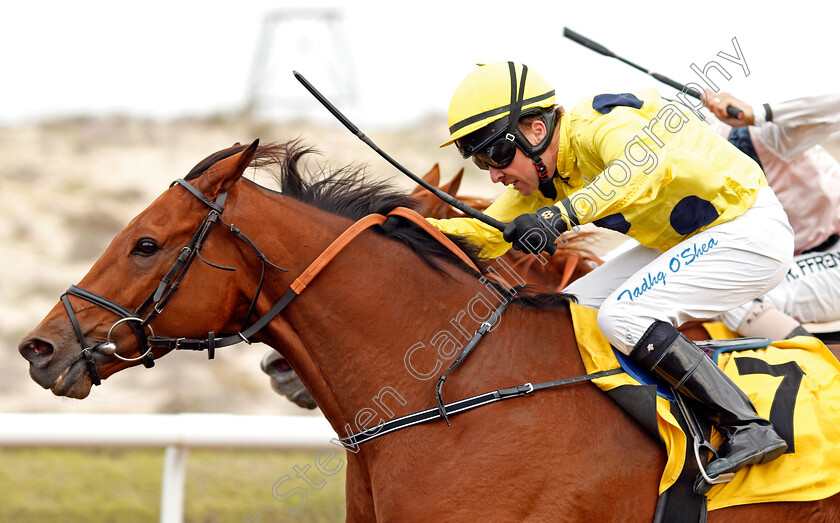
(568, 454)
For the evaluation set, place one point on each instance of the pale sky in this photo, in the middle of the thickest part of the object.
(174, 58)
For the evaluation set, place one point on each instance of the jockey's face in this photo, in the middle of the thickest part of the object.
(521, 174)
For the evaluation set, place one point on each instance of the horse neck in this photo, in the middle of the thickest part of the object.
(365, 310)
(351, 332)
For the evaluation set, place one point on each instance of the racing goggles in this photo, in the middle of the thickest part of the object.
(499, 154)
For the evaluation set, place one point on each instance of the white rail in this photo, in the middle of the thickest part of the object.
(176, 432)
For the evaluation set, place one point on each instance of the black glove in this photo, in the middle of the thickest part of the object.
(536, 232)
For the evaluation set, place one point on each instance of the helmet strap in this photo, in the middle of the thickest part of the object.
(546, 185)
(541, 170)
(532, 151)
(516, 97)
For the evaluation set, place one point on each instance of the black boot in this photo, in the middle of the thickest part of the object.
(799, 331)
(749, 438)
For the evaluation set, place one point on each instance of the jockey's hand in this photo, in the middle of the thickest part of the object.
(718, 104)
(536, 232)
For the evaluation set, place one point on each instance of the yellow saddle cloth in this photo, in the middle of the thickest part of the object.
(795, 383)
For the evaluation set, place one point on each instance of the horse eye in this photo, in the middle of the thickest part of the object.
(145, 247)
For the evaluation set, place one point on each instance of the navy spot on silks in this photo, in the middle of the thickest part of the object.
(615, 222)
(740, 138)
(604, 103)
(691, 213)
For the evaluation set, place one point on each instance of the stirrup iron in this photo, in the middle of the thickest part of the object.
(720, 478)
(699, 442)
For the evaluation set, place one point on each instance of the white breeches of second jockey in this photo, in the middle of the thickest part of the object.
(810, 292)
(707, 274)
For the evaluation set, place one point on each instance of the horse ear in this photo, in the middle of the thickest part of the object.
(433, 177)
(455, 184)
(221, 176)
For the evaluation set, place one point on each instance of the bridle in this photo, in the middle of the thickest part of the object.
(140, 320)
(171, 281)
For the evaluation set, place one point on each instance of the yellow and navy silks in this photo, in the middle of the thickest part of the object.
(800, 373)
(638, 164)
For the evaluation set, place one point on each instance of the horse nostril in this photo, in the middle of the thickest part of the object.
(282, 365)
(40, 348)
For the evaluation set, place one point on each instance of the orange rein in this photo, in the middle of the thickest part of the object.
(368, 221)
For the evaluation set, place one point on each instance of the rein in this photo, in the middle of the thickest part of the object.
(171, 281)
(456, 407)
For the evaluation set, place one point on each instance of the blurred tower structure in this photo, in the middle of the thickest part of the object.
(312, 42)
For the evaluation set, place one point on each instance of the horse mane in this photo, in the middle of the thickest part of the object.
(348, 192)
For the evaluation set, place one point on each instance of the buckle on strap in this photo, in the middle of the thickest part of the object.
(91, 366)
(211, 345)
(525, 389)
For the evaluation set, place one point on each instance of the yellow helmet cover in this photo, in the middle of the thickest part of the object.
(488, 92)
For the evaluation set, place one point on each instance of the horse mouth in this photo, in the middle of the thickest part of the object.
(74, 382)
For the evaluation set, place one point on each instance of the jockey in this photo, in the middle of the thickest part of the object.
(712, 233)
(784, 139)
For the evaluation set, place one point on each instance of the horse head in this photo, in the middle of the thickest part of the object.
(159, 262)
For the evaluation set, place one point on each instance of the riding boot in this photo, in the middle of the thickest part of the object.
(749, 438)
(799, 331)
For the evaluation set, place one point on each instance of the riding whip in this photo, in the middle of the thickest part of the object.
(454, 202)
(732, 111)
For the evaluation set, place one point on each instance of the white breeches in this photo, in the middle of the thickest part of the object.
(705, 275)
(810, 292)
